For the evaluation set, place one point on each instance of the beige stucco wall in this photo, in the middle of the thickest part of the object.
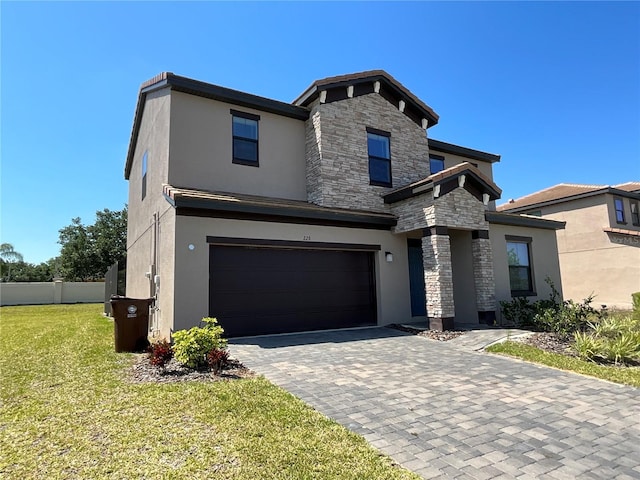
(451, 160)
(191, 294)
(592, 260)
(464, 291)
(543, 252)
(201, 150)
(150, 227)
(44, 293)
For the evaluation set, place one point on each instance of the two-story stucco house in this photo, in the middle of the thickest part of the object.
(333, 211)
(599, 250)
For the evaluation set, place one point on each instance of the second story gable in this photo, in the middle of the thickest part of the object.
(344, 143)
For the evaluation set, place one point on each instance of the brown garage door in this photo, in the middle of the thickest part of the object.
(256, 291)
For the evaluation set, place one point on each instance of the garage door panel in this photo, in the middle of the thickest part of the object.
(267, 290)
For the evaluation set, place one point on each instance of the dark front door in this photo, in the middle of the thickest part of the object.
(256, 291)
(416, 278)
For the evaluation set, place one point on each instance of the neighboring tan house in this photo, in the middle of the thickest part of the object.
(333, 211)
(599, 249)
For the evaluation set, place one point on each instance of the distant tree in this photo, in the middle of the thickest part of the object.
(8, 260)
(88, 251)
(26, 272)
(8, 253)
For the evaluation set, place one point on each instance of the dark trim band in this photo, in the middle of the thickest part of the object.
(441, 323)
(483, 234)
(435, 230)
(296, 244)
(375, 131)
(248, 116)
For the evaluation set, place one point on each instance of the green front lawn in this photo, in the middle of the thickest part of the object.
(68, 411)
(624, 375)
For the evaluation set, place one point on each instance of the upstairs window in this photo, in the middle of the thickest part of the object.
(379, 157)
(245, 138)
(619, 207)
(635, 214)
(144, 174)
(520, 274)
(436, 164)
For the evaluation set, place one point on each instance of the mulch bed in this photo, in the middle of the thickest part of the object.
(143, 372)
(432, 334)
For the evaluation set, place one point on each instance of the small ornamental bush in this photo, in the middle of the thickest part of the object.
(635, 298)
(612, 339)
(160, 353)
(217, 359)
(191, 347)
(551, 315)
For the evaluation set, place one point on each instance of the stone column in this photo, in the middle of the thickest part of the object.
(483, 276)
(438, 277)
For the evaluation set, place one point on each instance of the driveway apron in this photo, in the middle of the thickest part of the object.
(444, 411)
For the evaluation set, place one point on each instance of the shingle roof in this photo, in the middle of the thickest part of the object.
(267, 206)
(628, 187)
(430, 181)
(564, 192)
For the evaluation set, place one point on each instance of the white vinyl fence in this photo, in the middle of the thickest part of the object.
(44, 293)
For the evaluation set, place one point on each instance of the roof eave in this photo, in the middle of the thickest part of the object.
(510, 219)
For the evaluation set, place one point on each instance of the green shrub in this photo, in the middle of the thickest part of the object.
(190, 347)
(611, 339)
(635, 298)
(550, 315)
(586, 345)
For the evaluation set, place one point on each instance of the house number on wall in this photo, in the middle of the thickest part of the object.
(306, 237)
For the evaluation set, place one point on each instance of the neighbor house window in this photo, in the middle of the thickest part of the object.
(619, 206)
(379, 157)
(144, 174)
(520, 274)
(635, 214)
(436, 164)
(245, 138)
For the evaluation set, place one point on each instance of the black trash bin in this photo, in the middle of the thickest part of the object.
(131, 321)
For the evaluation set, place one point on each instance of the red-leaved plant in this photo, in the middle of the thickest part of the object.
(160, 353)
(217, 359)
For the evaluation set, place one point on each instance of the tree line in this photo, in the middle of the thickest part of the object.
(86, 252)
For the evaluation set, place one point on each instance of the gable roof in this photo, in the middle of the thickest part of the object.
(565, 192)
(479, 184)
(390, 88)
(206, 90)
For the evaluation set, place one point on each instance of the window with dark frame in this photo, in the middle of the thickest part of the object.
(436, 164)
(520, 273)
(619, 207)
(144, 174)
(635, 214)
(245, 138)
(379, 150)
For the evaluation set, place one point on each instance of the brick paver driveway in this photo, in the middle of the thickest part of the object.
(445, 411)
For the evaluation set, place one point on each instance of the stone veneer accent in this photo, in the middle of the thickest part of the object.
(459, 209)
(337, 157)
(483, 276)
(438, 279)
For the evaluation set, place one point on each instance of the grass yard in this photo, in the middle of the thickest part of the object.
(624, 375)
(67, 411)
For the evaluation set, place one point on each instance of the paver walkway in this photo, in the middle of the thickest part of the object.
(447, 411)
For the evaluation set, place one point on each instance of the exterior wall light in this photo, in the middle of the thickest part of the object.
(388, 256)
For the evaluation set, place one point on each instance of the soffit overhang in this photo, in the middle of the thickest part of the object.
(250, 207)
(519, 220)
(463, 175)
(342, 87)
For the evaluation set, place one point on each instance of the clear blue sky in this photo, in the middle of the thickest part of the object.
(552, 87)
